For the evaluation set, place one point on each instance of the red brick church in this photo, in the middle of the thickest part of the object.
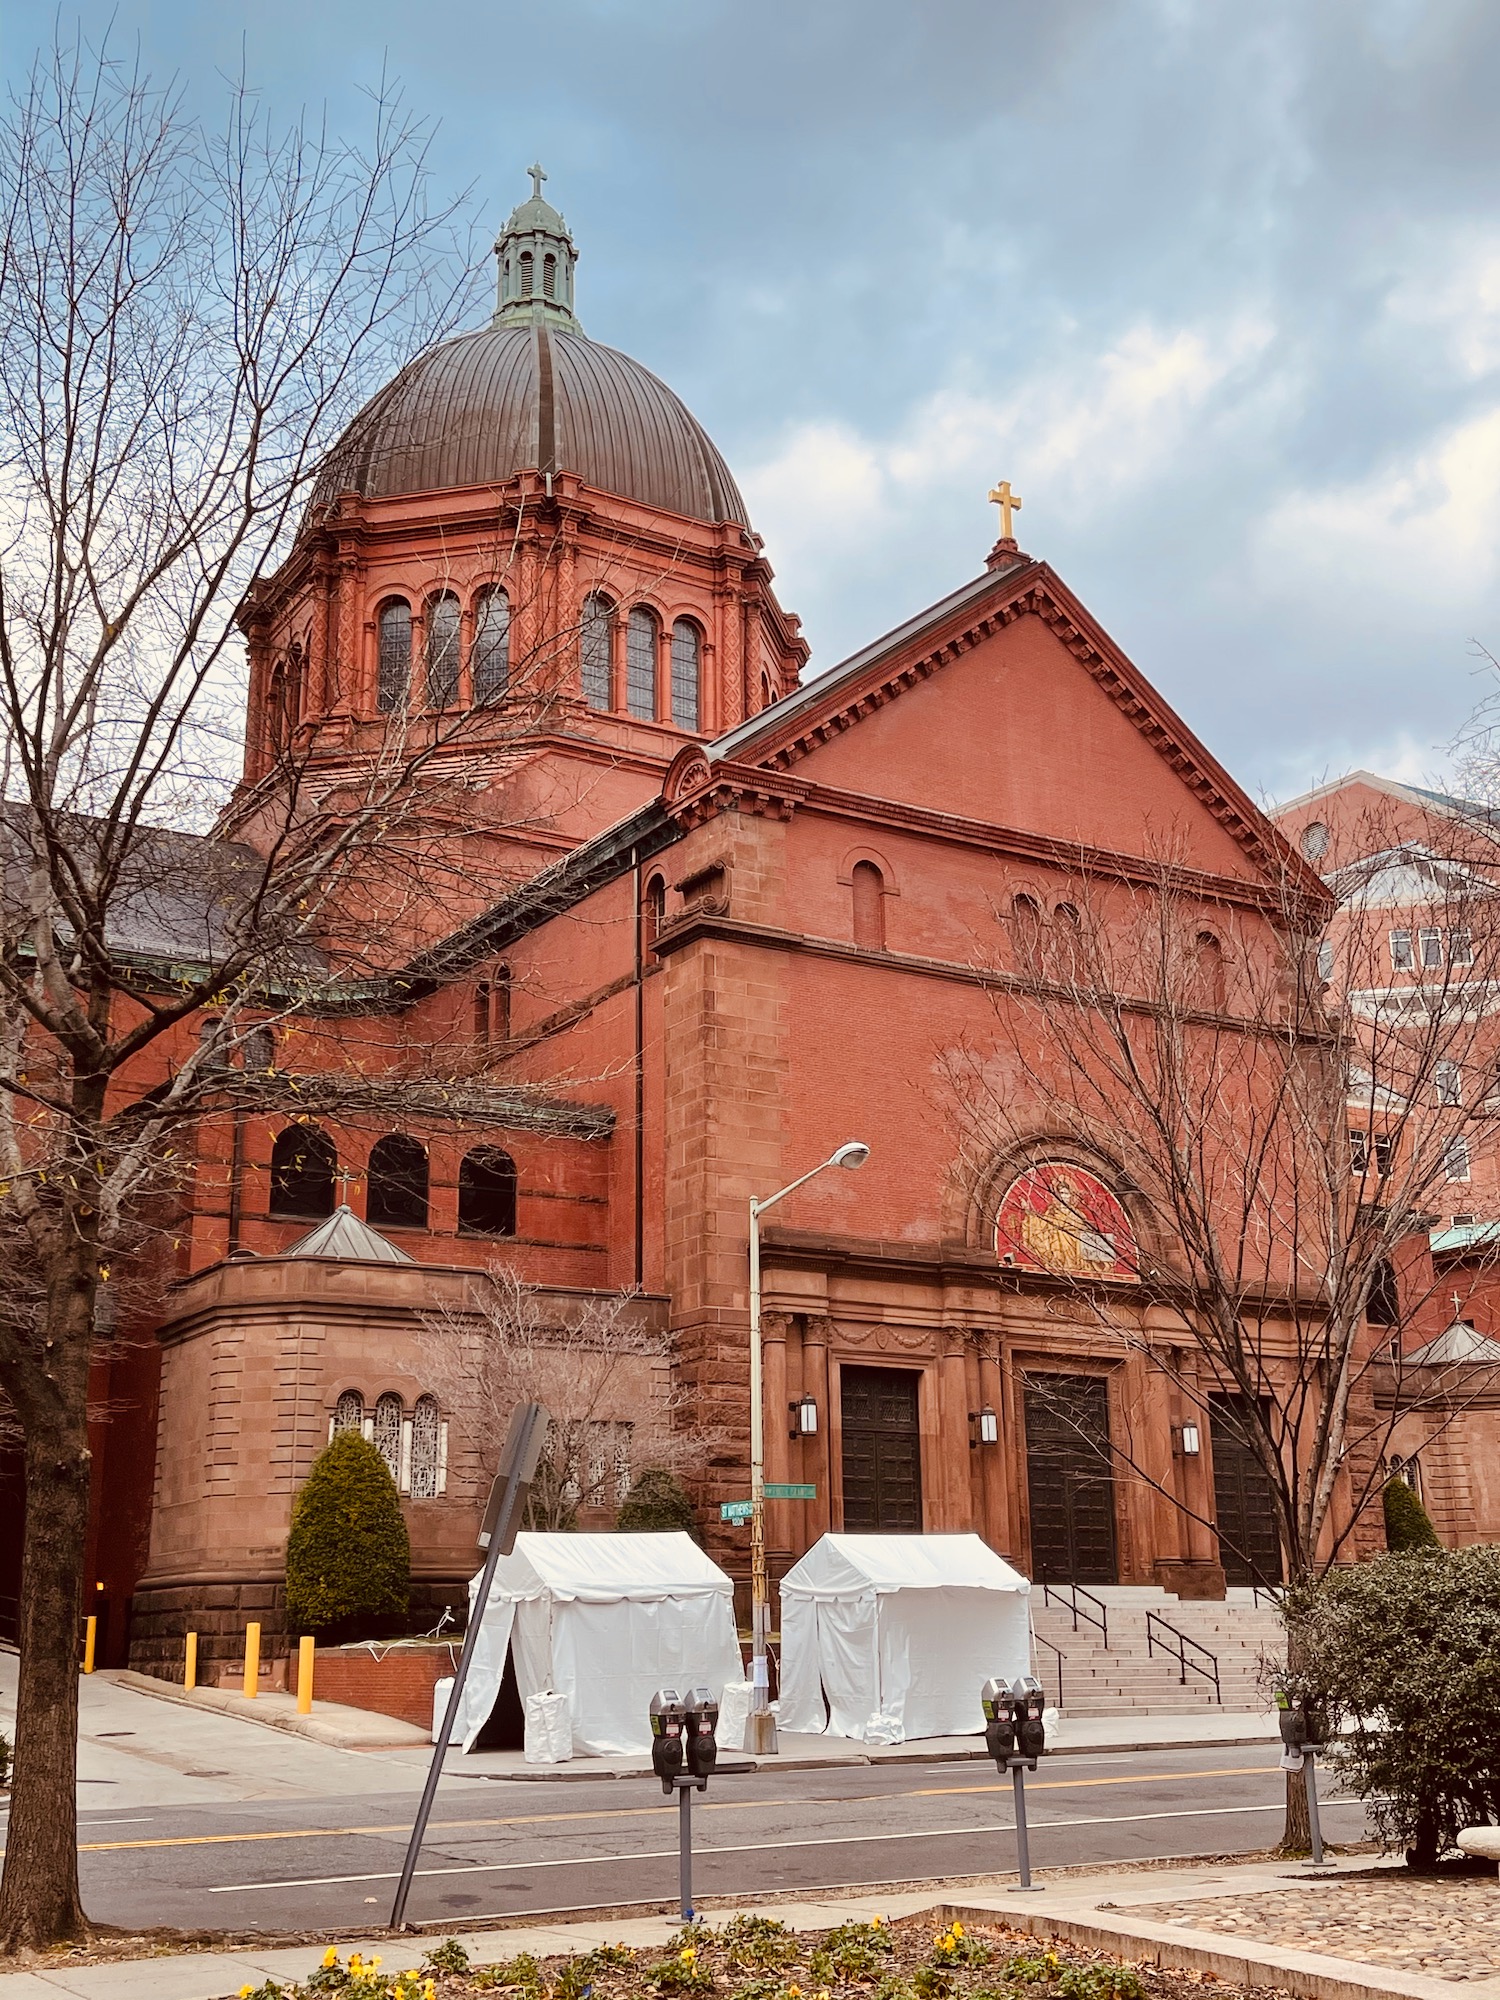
(723, 910)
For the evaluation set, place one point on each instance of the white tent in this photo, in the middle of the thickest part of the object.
(605, 1620)
(898, 1629)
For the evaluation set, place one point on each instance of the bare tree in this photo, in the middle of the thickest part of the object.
(188, 320)
(601, 1364)
(1280, 1114)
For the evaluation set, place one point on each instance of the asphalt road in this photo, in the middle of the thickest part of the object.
(501, 1848)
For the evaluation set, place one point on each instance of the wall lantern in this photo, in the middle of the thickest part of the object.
(985, 1427)
(1189, 1443)
(804, 1416)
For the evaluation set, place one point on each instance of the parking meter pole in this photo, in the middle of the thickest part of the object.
(685, 1847)
(502, 1521)
(1018, 1770)
(1310, 1785)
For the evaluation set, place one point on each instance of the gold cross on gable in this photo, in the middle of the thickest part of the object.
(1009, 503)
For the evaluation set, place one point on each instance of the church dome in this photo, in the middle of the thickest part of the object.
(532, 391)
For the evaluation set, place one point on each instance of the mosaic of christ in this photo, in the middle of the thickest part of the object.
(1058, 1217)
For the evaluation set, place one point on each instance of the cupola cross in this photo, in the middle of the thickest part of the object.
(1009, 503)
(537, 177)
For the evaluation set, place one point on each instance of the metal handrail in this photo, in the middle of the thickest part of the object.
(1271, 1592)
(1058, 1655)
(1097, 1616)
(1179, 1652)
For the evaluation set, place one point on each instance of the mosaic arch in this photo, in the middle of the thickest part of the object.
(1059, 1217)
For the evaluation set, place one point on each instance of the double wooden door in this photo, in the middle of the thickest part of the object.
(882, 1456)
(1069, 1479)
(1244, 1499)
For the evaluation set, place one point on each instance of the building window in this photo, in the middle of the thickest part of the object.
(348, 1413)
(653, 912)
(1362, 1148)
(1208, 971)
(549, 277)
(259, 1056)
(869, 907)
(427, 1454)
(489, 662)
(442, 651)
(304, 1169)
(596, 646)
(1401, 958)
(1431, 943)
(1314, 841)
(386, 1437)
(394, 676)
(1448, 1079)
(1325, 961)
(640, 664)
(482, 1012)
(214, 1058)
(1460, 948)
(500, 1004)
(396, 1183)
(1382, 1304)
(1026, 933)
(528, 265)
(687, 649)
(1407, 1470)
(487, 1193)
(1456, 1157)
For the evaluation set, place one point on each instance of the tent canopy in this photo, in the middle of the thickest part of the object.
(604, 1620)
(886, 1635)
(851, 1565)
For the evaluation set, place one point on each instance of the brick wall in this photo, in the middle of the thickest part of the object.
(398, 1684)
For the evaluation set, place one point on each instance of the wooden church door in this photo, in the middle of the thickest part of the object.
(882, 1455)
(1069, 1479)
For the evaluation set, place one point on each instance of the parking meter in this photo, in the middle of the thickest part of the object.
(999, 1724)
(700, 1721)
(667, 1720)
(1027, 1704)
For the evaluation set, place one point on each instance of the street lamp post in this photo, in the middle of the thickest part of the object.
(762, 1731)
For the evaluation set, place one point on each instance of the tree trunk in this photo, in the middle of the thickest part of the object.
(1296, 1834)
(39, 1900)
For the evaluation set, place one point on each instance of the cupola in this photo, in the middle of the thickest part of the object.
(536, 257)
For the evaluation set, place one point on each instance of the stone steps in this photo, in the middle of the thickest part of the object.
(1128, 1677)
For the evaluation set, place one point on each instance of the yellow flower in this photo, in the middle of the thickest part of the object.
(373, 1963)
(958, 1929)
(876, 1922)
(330, 1957)
(245, 1992)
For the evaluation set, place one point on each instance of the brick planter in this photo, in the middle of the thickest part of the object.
(399, 1683)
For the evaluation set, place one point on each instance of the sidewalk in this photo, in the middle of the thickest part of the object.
(1142, 1914)
(362, 1730)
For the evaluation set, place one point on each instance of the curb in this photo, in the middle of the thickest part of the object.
(223, 1701)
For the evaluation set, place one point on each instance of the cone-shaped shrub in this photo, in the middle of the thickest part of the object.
(1408, 1525)
(657, 1504)
(348, 1559)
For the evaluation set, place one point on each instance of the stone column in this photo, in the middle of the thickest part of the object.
(817, 1464)
(955, 1480)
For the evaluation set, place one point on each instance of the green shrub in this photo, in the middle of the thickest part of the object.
(657, 1504)
(1404, 1652)
(348, 1560)
(1408, 1525)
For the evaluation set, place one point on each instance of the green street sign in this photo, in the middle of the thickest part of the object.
(774, 1492)
(736, 1510)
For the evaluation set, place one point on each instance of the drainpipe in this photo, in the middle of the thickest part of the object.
(640, 1074)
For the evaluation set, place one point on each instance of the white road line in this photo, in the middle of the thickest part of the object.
(751, 1847)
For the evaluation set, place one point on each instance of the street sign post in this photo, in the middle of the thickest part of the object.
(781, 1492)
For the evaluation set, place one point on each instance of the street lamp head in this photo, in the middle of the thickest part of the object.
(853, 1153)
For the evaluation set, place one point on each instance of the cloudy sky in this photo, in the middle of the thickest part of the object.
(1217, 287)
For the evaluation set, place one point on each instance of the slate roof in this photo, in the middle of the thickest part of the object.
(1459, 1343)
(345, 1235)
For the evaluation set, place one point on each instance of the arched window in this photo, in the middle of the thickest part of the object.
(1067, 942)
(487, 1193)
(869, 907)
(348, 1413)
(1383, 1303)
(396, 1183)
(653, 911)
(1208, 971)
(259, 1056)
(527, 266)
(394, 678)
(489, 663)
(1026, 933)
(687, 648)
(304, 1169)
(215, 1059)
(766, 694)
(442, 650)
(389, 1410)
(640, 663)
(549, 277)
(596, 649)
(500, 1004)
(426, 1449)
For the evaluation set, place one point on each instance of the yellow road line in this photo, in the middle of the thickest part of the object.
(637, 1812)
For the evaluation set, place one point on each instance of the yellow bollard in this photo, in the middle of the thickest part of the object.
(90, 1633)
(305, 1649)
(190, 1661)
(252, 1660)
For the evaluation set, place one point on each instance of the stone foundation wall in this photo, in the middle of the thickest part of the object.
(160, 1620)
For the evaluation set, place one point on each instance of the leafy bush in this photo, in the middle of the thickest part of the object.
(348, 1560)
(761, 1943)
(1408, 1525)
(449, 1956)
(1104, 1981)
(657, 1504)
(1405, 1651)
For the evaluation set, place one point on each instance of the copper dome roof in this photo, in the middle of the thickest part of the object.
(527, 394)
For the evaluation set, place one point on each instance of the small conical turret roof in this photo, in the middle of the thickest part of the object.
(344, 1235)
